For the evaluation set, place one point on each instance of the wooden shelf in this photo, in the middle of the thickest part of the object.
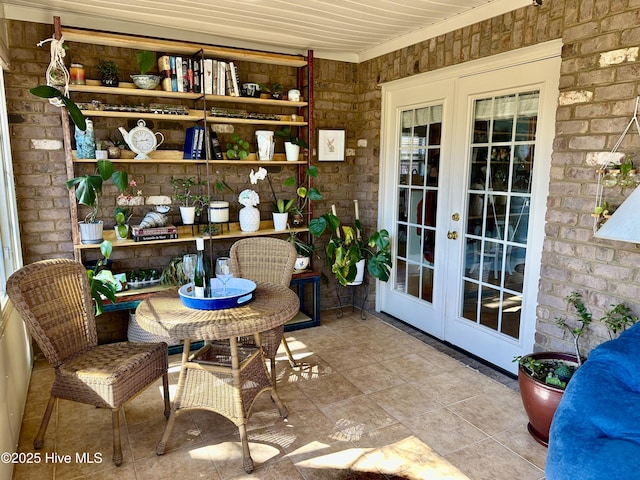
(175, 156)
(192, 117)
(182, 48)
(186, 234)
(253, 121)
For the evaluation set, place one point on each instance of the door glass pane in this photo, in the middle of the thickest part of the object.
(418, 186)
(498, 198)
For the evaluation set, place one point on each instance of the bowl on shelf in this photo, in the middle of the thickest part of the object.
(146, 82)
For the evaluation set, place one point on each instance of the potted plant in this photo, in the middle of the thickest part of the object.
(292, 143)
(101, 279)
(237, 149)
(184, 192)
(146, 60)
(109, 73)
(87, 192)
(276, 91)
(121, 228)
(303, 193)
(305, 251)
(543, 376)
(347, 251)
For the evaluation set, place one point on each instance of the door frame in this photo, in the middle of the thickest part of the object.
(546, 132)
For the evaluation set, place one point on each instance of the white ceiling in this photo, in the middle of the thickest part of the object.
(349, 30)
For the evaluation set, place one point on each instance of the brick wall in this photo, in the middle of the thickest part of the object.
(598, 89)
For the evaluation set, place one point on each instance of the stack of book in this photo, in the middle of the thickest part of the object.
(193, 143)
(168, 232)
(197, 75)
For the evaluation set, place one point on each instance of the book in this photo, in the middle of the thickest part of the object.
(188, 80)
(229, 80)
(216, 149)
(174, 73)
(222, 70)
(179, 74)
(197, 75)
(145, 231)
(199, 141)
(234, 79)
(189, 143)
(207, 74)
(161, 236)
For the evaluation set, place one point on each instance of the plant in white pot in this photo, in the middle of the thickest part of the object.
(292, 143)
(87, 192)
(186, 191)
(347, 248)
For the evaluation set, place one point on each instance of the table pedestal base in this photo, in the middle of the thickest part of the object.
(225, 379)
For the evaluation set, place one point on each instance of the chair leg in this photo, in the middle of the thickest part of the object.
(38, 442)
(292, 361)
(117, 445)
(165, 388)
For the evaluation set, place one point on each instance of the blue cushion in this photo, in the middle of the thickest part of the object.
(595, 432)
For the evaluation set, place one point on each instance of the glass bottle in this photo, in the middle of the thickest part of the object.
(200, 277)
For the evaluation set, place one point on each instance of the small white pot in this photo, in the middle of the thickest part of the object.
(102, 154)
(126, 235)
(292, 152)
(188, 215)
(280, 221)
(301, 263)
(219, 212)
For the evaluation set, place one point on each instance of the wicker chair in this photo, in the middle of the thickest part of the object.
(54, 299)
(265, 259)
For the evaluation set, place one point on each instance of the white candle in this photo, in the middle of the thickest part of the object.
(333, 210)
(355, 204)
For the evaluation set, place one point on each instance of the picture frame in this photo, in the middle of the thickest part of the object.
(331, 145)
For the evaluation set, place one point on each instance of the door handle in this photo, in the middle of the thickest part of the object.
(455, 217)
(452, 235)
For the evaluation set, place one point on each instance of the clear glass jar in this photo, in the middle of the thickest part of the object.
(628, 180)
(76, 74)
(610, 179)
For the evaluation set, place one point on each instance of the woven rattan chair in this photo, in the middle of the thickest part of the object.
(265, 259)
(54, 299)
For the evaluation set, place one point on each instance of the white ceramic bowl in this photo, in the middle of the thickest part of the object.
(146, 82)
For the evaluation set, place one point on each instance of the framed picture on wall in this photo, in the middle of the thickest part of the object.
(331, 145)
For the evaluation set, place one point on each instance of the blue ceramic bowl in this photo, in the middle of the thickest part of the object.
(146, 82)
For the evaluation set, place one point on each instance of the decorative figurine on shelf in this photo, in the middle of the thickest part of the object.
(249, 215)
(142, 140)
(159, 216)
(85, 142)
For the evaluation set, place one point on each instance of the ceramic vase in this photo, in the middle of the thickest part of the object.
(249, 219)
(359, 273)
(90, 232)
(85, 142)
(126, 235)
(280, 221)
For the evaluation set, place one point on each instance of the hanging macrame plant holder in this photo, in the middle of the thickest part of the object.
(612, 159)
(57, 74)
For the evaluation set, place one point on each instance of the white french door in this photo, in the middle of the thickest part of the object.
(466, 157)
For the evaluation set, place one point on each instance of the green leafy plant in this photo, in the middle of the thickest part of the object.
(237, 148)
(107, 68)
(101, 279)
(122, 217)
(558, 373)
(346, 249)
(303, 248)
(186, 191)
(304, 194)
(290, 137)
(46, 91)
(89, 187)
(146, 61)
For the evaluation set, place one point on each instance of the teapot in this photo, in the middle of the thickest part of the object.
(142, 140)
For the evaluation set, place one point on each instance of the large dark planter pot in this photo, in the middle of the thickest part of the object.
(539, 399)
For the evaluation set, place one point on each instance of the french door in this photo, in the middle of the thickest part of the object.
(466, 161)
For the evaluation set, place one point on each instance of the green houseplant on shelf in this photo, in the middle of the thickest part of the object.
(144, 80)
(186, 191)
(347, 248)
(292, 143)
(109, 73)
(87, 192)
(237, 148)
(543, 376)
(101, 281)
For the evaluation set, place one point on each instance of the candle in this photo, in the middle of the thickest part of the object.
(333, 210)
(355, 204)
(76, 74)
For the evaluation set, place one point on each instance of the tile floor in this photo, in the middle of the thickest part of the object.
(374, 400)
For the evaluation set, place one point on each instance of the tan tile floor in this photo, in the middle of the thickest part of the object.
(371, 402)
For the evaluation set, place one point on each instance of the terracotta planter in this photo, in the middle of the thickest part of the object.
(539, 399)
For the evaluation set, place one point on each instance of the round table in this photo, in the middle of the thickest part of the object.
(222, 376)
